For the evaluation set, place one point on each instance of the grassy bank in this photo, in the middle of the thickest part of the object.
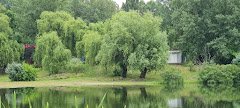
(96, 77)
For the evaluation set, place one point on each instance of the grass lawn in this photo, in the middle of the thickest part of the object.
(97, 78)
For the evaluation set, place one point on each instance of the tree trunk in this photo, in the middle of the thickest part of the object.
(143, 73)
(124, 71)
(124, 95)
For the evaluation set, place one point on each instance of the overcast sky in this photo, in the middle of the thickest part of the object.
(119, 2)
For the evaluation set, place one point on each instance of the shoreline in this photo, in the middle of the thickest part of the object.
(74, 84)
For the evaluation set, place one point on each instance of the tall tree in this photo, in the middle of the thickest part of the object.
(90, 45)
(134, 41)
(206, 31)
(51, 53)
(93, 10)
(69, 30)
(10, 50)
(137, 5)
(26, 12)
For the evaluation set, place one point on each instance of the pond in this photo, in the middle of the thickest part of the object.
(188, 96)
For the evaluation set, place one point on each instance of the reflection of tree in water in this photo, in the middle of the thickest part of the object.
(22, 96)
(197, 102)
(124, 95)
(143, 92)
(197, 98)
(172, 88)
(120, 97)
(148, 98)
(132, 97)
(212, 97)
(65, 98)
(137, 98)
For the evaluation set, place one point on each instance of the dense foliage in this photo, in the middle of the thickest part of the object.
(92, 11)
(204, 30)
(89, 46)
(30, 71)
(172, 77)
(217, 74)
(134, 41)
(26, 12)
(19, 72)
(133, 5)
(235, 71)
(237, 59)
(68, 29)
(10, 50)
(50, 53)
(75, 66)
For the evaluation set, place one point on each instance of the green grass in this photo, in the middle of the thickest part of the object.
(4, 78)
(97, 76)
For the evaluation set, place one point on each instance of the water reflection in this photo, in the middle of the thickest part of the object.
(190, 96)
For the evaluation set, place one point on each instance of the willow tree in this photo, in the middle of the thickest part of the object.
(134, 41)
(69, 30)
(10, 50)
(50, 53)
(90, 44)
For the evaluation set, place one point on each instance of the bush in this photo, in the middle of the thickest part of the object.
(30, 72)
(215, 75)
(235, 71)
(75, 65)
(19, 72)
(172, 76)
(15, 72)
(117, 71)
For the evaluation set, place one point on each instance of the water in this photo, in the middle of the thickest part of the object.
(189, 96)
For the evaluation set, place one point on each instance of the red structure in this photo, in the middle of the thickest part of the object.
(28, 53)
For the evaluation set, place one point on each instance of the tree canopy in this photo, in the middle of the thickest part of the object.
(93, 11)
(26, 12)
(10, 50)
(50, 53)
(135, 41)
(204, 30)
(69, 29)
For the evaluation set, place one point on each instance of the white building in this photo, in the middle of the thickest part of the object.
(175, 57)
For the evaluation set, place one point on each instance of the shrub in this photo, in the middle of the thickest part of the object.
(235, 71)
(117, 71)
(215, 75)
(75, 65)
(19, 72)
(172, 76)
(15, 72)
(30, 72)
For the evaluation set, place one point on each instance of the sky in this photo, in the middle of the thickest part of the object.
(119, 2)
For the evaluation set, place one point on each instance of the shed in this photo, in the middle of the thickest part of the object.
(175, 57)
